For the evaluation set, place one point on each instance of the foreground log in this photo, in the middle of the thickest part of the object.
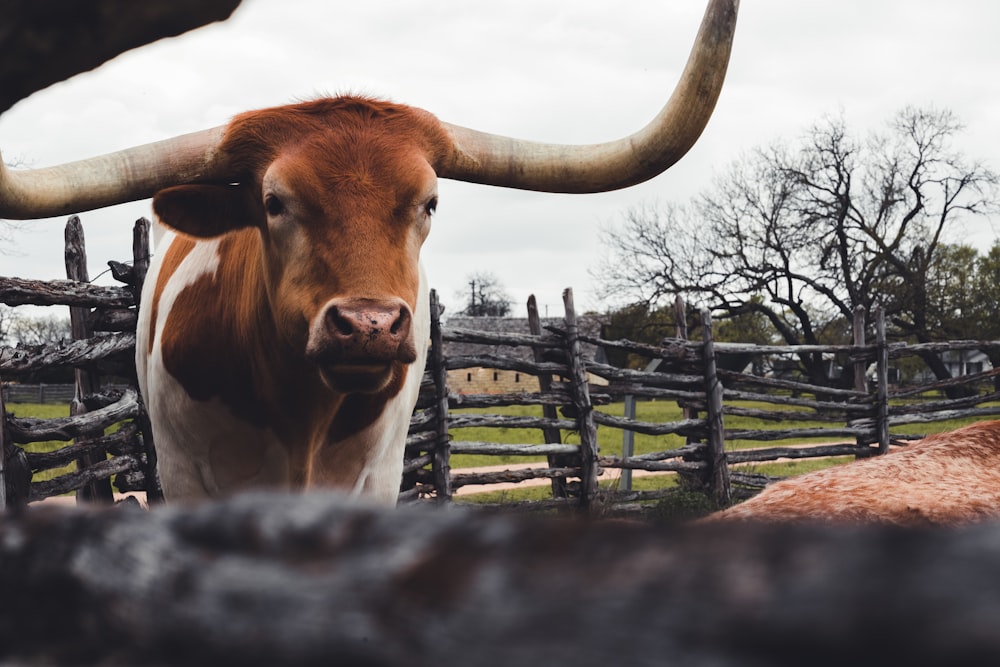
(275, 579)
(54, 41)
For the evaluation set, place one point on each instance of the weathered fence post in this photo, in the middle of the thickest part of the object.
(718, 466)
(882, 380)
(860, 365)
(3, 452)
(15, 475)
(140, 267)
(681, 332)
(628, 445)
(550, 435)
(87, 382)
(441, 462)
(589, 469)
(140, 256)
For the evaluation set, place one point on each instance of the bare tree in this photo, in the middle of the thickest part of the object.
(37, 330)
(6, 319)
(803, 235)
(486, 296)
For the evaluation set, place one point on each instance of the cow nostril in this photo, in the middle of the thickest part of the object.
(399, 322)
(342, 325)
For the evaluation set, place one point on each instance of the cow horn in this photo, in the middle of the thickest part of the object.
(128, 175)
(494, 160)
(139, 172)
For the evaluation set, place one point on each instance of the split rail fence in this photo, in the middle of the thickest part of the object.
(859, 421)
(109, 438)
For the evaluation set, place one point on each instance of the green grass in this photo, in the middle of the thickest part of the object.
(43, 411)
(610, 443)
(610, 439)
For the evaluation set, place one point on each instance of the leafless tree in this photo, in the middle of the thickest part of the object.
(36, 330)
(6, 319)
(486, 296)
(802, 235)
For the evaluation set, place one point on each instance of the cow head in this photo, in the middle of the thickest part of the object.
(342, 192)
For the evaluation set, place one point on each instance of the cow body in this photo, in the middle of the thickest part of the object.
(947, 478)
(265, 347)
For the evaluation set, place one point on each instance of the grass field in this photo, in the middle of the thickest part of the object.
(610, 439)
(610, 443)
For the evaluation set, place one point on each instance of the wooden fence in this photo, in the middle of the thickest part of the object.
(38, 393)
(862, 420)
(859, 421)
(106, 431)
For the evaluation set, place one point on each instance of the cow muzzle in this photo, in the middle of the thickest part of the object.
(357, 342)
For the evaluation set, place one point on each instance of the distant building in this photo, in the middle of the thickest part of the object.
(958, 363)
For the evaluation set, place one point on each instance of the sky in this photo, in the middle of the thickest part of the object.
(568, 71)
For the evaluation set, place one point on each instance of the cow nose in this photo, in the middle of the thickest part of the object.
(357, 331)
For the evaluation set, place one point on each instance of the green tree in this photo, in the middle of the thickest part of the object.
(638, 323)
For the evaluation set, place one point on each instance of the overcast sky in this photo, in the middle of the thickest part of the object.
(552, 70)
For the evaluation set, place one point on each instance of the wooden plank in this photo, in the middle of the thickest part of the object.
(882, 383)
(683, 427)
(774, 453)
(99, 472)
(511, 476)
(510, 421)
(456, 335)
(87, 381)
(583, 408)
(503, 449)
(718, 468)
(441, 465)
(3, 453)
(23, 292)
(549, 434)
(733, 377)
(100, 348)
(860, 365)
(503, 363)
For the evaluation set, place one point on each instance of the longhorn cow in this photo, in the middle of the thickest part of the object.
(283, 328)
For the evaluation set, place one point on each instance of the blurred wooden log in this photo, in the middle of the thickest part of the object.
(47, 42)
(304, 580)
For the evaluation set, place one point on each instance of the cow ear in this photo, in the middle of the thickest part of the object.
(205, 211)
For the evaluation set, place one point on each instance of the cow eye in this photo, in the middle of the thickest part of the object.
(273, 205)
(431, 206)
